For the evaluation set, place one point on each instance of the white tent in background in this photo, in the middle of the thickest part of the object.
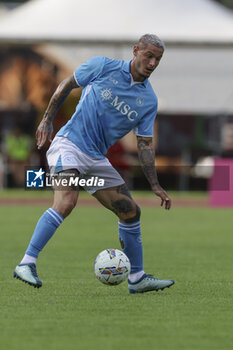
(118, 20)
(3, 11)
(196, 72)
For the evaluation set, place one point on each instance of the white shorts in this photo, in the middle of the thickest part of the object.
(65, 155)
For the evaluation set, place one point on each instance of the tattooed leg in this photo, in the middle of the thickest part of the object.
(120, 201)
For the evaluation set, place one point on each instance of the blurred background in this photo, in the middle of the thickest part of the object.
(43, 41)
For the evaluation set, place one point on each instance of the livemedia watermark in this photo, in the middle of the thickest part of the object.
(41, 179)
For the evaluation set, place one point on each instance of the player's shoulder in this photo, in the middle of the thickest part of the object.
(96, 60)
(110, 63)
(107, 60)
(106, 63)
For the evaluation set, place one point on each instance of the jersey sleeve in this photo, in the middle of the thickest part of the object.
(145, 126)
(89, 71)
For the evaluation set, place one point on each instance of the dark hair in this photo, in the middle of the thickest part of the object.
(151, 39)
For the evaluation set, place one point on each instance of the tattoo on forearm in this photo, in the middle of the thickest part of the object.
(56, 101)
(59, 97)
(47, 116)
(147, 159)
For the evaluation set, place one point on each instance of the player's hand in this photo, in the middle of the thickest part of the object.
(165, 200)
(44, 132)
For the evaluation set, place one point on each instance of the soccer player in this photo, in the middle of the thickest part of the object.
(117, 97)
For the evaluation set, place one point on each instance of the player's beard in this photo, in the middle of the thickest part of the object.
(139, 69)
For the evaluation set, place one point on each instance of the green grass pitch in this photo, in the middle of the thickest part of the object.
(73, 310)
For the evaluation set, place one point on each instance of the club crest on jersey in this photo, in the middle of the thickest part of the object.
(139, 101)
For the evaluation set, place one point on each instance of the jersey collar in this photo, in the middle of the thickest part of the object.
(126, 68)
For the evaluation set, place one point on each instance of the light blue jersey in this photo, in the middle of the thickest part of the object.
(111, 105)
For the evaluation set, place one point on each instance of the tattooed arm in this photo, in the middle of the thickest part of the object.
(45, 128)
(147, 161)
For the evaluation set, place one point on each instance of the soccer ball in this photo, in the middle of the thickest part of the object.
(112, 267)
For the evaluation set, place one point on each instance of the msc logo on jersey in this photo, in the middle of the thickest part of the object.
(121, 106)
(35, 179)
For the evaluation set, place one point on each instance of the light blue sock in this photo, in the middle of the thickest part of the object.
(130, 237)
(45, 228)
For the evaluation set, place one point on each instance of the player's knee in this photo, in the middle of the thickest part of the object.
(69, 206)
(65, 204)
(134, 218)
(128, 211)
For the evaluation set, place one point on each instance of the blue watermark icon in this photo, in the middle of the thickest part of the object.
(35, 178)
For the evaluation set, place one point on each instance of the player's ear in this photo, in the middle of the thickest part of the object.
(135, 50)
